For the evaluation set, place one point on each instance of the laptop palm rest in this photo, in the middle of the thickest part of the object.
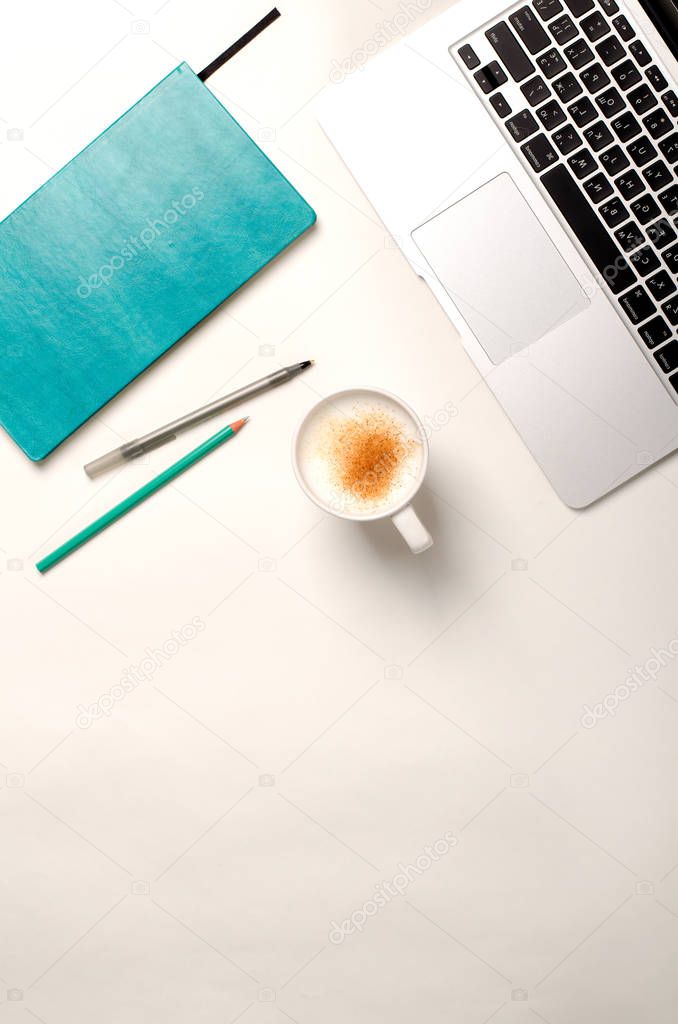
(500, 268)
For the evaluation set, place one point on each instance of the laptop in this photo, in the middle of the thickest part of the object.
(525, 160)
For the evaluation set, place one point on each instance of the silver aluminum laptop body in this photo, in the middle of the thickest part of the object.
(473, 218)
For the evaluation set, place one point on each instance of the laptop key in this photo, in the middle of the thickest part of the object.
(491, 77)
(667, 357)
(530, 30)
(637, 305)
(547, 9)
(641, 151)
(579, 54)
(583, 112)
(655, 332)
(609, 6)
(613, 212)
(583, 164)
(595, 78)
(662, 233)
(670, 257)
(614, 161)
(540, 153)
(595, 27)
(598, 137)
(610, 102)
(592, 235)
(567, 140)
(626, 75)
(658, 123)
(642, 99)
(644, 261)
(645, 209)
(669, 148)
(551, 115)
(630, 236)
(579, 7)
(624, 28)
(640, 53)
(522, 126)
(598, 188)
(484, 82)
(535, 91)
(563, 30)
(610, 51)
(656, 78)
(500, 105)
(669, 200)
(671, 101)
(626, 127)
(661, 285)
(551, 64)
(567, 88)
(469, 57)
(658, 176)
(510, 52)
(629, 185)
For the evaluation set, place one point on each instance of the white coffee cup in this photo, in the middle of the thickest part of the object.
(311, 469)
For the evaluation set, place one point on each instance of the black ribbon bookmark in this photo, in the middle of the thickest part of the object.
(239, 45)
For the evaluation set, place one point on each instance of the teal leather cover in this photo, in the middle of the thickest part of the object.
(126, 249)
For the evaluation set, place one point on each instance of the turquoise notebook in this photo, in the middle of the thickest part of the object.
(126, 249)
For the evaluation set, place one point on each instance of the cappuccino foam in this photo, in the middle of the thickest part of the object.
(361, 456)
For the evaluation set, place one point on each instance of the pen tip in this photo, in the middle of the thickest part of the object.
(306, 363)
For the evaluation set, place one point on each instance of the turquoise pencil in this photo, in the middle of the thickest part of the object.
(106, 520)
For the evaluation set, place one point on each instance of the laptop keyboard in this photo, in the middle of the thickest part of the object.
(593, 116)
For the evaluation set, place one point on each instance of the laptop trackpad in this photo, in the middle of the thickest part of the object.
(500, 268)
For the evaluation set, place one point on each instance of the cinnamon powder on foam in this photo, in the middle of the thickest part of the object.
(366, 453)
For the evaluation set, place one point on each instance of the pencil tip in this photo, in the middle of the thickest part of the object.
(239, 424)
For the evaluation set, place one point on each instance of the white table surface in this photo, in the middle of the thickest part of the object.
(308, 707)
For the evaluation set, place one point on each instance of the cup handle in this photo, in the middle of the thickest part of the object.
(413, 530)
